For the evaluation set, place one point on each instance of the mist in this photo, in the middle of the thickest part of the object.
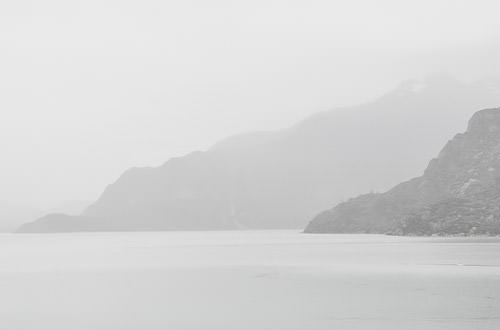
(92, 88)
(250, 165)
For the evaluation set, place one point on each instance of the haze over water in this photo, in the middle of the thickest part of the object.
(248, 280)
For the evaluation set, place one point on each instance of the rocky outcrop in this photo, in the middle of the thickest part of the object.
(476, 214)
(457, 194)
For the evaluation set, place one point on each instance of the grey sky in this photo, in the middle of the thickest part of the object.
(90, 88)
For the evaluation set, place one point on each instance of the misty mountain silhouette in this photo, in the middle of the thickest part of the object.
(283, 178)
(459, 192)
(14, 215)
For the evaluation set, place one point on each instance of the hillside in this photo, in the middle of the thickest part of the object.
(457, 194)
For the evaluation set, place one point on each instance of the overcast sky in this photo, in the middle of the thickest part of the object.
(91, 88)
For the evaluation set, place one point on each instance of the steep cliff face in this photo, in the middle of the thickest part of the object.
(281, 179)
(473, 214)
(458, 192)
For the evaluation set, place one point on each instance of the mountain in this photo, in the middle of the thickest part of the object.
(69, 207)
(459, 192)
(14, 215)
(280, 179)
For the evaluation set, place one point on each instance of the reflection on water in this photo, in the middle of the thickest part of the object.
(248, 280)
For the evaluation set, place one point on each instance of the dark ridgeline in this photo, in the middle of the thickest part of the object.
(458, 194)
(282, 179)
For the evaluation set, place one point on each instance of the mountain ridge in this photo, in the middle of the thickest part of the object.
(280, 179)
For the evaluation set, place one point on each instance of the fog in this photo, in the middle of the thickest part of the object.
(91, 88)
(267, 164)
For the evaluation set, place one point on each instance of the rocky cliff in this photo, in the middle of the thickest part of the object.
(459, 192)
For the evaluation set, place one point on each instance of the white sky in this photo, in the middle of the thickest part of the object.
(91, 88)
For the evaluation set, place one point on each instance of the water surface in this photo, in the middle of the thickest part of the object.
(238, 280)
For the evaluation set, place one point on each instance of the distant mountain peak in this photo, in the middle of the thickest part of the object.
(485, 122)
(434, 82)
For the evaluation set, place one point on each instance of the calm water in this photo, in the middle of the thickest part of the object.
(269, 280)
